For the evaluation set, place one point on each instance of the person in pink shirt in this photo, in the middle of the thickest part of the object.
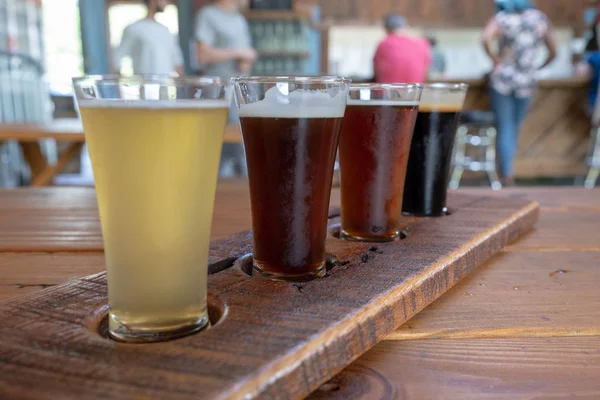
(401, 57)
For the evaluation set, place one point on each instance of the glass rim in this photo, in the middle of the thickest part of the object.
(166, 80)
(358, 86)
(461, 86)
(314, 80)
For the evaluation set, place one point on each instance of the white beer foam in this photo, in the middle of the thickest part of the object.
(153, 104)
(441, 99)
(298, 104)
(396, 103)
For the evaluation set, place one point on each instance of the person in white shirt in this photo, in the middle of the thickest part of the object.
(151, 46)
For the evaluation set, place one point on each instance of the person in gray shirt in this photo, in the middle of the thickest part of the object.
(224, 46)
(224, 49)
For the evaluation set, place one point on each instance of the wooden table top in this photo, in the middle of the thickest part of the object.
(70, 129)
(525, 325)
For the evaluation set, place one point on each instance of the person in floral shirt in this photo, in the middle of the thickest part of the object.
(520, 30)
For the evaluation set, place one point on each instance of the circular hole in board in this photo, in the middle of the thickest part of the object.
(245, 264)
(97, 321)
(335, 231)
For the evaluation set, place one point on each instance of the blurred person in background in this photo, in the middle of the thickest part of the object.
(153, 49)
(519, 29)
(592, 59)
(224, 49)
(438, 64)
(591, 18)
(224, 45)
(587, 66)
(401, 57)
(596, 3)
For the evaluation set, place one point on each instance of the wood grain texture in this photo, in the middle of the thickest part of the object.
(568, 221)
(66, 219)
(440, 13)
(360, 380)
(232, 214)
(11, 291)
(548, 303)
(49, 220)
(302, 14)
(26, 272)
(550, 198)
(538, 339)
(277, 340)
(525, 294)
(563, 230)
(543, 368)
(22, 273)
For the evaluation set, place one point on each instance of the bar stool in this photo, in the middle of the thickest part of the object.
(475, 148)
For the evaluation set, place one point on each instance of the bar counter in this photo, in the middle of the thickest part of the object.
(555, 136)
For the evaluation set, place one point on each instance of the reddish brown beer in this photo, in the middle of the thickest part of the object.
(290, 168)
(291, 128)
(374, 150)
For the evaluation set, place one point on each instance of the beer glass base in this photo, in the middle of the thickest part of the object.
(122, 333)
(373, 239)
(436, 214)
(318, 273)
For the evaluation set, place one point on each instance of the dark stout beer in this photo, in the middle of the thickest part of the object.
(430, 160)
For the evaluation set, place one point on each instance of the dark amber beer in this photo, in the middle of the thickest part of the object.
(374, 149)
(431, 150)
(291, 142)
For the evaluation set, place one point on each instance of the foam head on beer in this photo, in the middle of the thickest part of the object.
(301, 103)
(383, 103)
(440, 98)
(366, 97)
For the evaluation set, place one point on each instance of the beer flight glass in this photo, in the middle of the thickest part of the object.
(374, 147)
(155, 145)
(290, 128)
(431, 150)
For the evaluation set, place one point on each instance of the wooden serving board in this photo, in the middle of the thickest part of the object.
(269, 340)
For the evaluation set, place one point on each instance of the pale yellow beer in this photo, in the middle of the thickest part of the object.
(155, 165)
